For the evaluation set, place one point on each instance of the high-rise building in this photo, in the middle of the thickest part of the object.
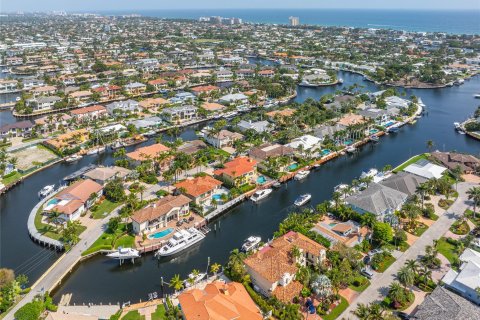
(294, 21)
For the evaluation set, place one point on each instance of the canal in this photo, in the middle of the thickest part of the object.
(102, 280)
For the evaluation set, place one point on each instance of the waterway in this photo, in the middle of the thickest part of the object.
(102, 280)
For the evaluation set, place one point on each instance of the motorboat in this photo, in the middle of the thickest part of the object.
(458, 127)
(96, 150)
(194, 279)
(393, 129)
(340, 187)
(302, 174)
(276, 185)
(370, 173)
(251, 243)
(46, 190)
(477, 96)
(180, 241)
(260, 194)
(303, 199)
(150, 133)
(374, 138)
(124, 253)
(73, 158)
(316, 166)
(351, 149)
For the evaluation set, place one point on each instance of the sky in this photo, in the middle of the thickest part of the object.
(111, 5)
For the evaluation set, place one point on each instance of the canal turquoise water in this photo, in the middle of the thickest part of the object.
(102, 280)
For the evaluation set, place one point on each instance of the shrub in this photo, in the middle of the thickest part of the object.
(30, 311)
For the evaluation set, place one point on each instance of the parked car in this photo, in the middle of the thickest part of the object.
(367, 273)
(402, 315)
(373, 252)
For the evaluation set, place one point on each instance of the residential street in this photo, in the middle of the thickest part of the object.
(379, 287)
(64, 263)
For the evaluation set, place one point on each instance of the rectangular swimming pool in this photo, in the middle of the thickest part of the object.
(161, 234)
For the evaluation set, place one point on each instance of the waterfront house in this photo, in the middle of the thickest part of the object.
(68, 140)
(267, 73)
(443, 304)
(191, 147)
(181, 114)
(466, 280)
(72, 201)
(268, 150)
(351, 119)
(199, 189)
(350, 233)
(305, 142)
(32, 83)
(284, 113)
(122, 107)
(43, 103)
(152, 103)
(80, 97)
(325, 131)
(109, 92)
(224, 75)
(213, 106)
(467, 163)
(183, 97)
(158, 84)
(222, 139)
(219, 300)
(273, 268)
(150, 153)
(135, 88)
(258, 126)
(16, 129)
(205, 90)
(43, 91)
(234, 98)
(404, 182)
(147, 123)
(159, 213)
(239, 171)
(8, 86)
(377, 199)
(425, 169)
(89, 113)
(103, 175)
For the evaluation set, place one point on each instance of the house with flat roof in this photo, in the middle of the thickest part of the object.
(273, 268)
(199, 189)
(72, 201)
(466, 280)
(219, 300)
(425, 169)
(305, 142)
(377, 199)
(159, 213)
(180, 114)
(239, 171)
(257, 126)
(238, 98)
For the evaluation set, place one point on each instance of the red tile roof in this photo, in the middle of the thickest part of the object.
(142, 154)
(199, 185)
(237, 167)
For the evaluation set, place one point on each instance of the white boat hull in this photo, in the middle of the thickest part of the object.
(162, 253)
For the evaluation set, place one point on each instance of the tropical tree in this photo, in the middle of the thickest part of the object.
(474, 195)
(397, 293)
(406, 276)
(176, 283)
(214, 268)
(430, 145)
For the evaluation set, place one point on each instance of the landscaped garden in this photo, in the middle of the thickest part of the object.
(101, 210)
(460, 227)
(117, 235)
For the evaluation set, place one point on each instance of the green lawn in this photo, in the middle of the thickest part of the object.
(446, 249)
(469, 215)
(362, 287)
(160, 313)
(410, 161)
(460, 227)
(103, 209)
(109, 241)
(420, 229)
(337, 311)
(11, 178)
(133, 315)
(385, 264)
(51, 231)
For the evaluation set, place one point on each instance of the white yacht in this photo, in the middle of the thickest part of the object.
(251, 243)
(46, 191)
(477, 96)
(73, 158)
(370, 173)
(124, 253)
(303, 199)
(351, 149)
(196, 279)
(96, 150)
(302, 174)
(458, 127)
(181, 240)
(340, 187)
(260, 194)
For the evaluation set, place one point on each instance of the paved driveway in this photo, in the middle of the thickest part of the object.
(379, 287)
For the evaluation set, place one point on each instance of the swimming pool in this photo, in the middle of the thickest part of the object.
(373, 131)
(217, 197)
(325, 152)
(389, 123)
(261, 180)
(161, 234)
(292, 167)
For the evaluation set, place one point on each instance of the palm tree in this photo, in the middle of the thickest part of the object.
(406, 276)
(422, 189)
(474, 195)
(412, 265)
(430, 145)
(336, 196)
(396, 292)
(141, 189)
(214, 268)
(176, 283)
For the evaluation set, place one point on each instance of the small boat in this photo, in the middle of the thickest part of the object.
(96, 151)
(18, 99)
(477, 96)
(46, 191)
(260, 194)
(150, 133)
(302, 174)
(276, 185)
(351, 149)
(73, 158)
(340, 187)
(251, 243)
(5, 70)
(194, 279)
(370, 173)
(393, 129)
(374, 138)
(316, 166)
(124, 253)
(303, 199)
(180, 241)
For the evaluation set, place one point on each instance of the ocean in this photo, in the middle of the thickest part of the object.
(451, 21)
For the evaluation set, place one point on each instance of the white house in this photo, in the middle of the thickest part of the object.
(306, 142)
(426, 169)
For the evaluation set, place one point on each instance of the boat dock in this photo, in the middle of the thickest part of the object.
(79, 173)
